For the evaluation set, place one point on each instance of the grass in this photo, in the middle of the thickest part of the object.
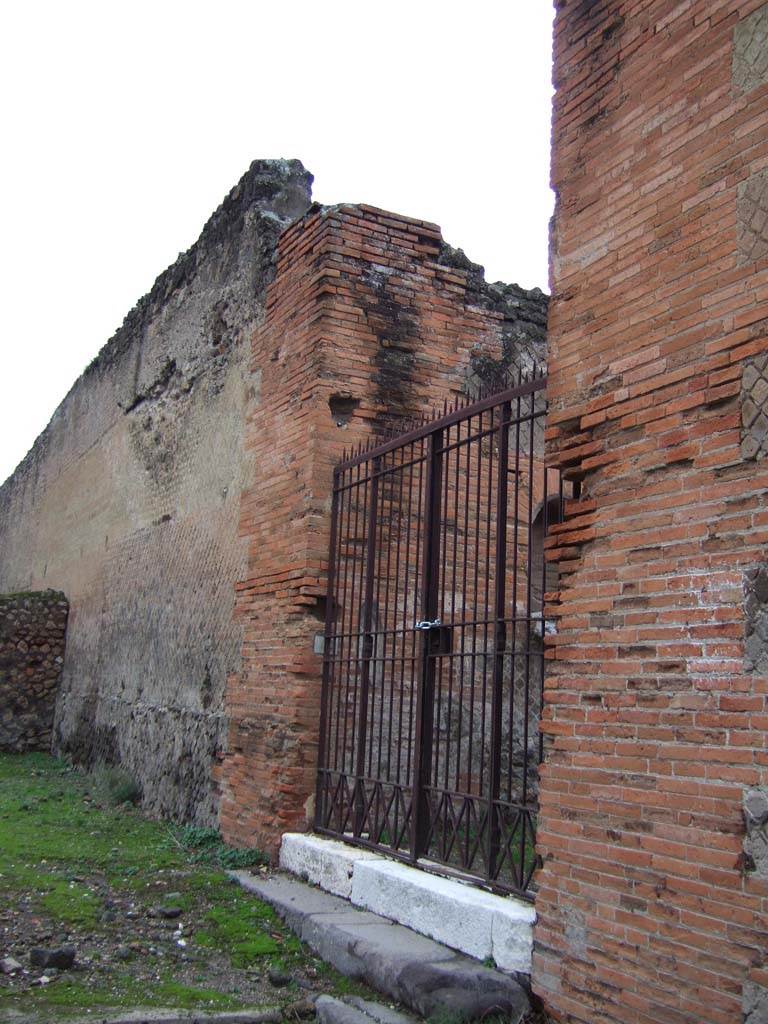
(70, 903)
(123, 991)
(68, 853)
(52, 827)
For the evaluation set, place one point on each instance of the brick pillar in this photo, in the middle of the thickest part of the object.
(370, 316)
(652, 905)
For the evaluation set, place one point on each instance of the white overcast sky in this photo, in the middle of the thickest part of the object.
(126, 122)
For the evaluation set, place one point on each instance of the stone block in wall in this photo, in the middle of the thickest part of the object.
(750, 51)
(32, 641)
(637, 796)
(754, 407)
(754, 1003)
(756, 616)
(129, 503)
(756, 822)
(752, 218)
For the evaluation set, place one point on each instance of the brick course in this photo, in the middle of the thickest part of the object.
(648, 911)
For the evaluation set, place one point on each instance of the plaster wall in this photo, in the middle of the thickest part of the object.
(129, 503)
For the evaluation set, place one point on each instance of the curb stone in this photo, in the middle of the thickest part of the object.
(424, 975)
(380, 1014)
(353, 1010)
(269, 1016)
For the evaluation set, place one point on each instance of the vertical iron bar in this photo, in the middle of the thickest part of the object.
(487, 598)
(454, 563)
(327, 652)
(515, 574)
(395, 474)
(475, 614)
(367, 651)
(342, 572)
(354, 632)
(382, 610)
(426, 693)
(462, 656)
(500, 638)
(404, 776)
(415, 639)
(345, 645)
(439, 829)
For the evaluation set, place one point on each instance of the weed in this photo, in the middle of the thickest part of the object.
(115, 786)
(206, 846)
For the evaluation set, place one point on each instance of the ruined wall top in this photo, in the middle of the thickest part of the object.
(276, 191)
(268, 197)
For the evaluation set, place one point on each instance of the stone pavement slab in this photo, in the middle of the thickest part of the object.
(353, 1010)
(423, 974)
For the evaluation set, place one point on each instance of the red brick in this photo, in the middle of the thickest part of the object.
(650, 144)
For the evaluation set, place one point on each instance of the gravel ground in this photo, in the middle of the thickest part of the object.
(144, 942)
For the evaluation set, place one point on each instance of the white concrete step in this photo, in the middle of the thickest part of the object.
(478, 923)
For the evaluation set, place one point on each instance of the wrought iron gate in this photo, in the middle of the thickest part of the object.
(434, 646)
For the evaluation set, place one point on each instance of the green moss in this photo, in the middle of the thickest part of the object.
(244, 930)
(70, 903)
(171, 992)
(32, 595)
(340, 983)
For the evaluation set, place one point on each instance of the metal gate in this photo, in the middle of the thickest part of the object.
(434, 643)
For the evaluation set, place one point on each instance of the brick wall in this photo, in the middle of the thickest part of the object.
(371, 316)
(652, 903)
(33, 629)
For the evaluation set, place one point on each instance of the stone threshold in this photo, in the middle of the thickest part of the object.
(424, 975)
(459, 915)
